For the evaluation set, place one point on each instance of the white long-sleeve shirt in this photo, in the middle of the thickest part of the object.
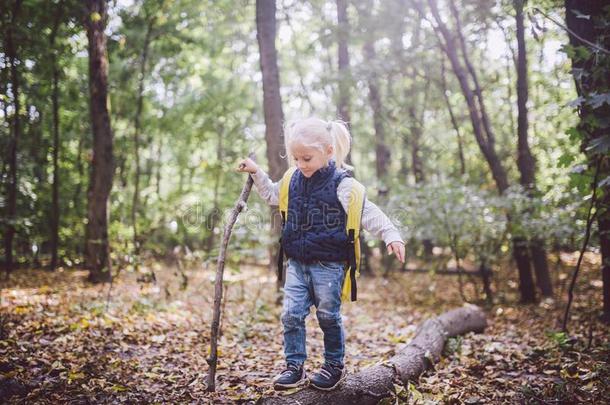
(373, 219)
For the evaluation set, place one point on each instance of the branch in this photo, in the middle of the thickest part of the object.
(239, 206)
(563, 27)
(590, 218)
(370, 385)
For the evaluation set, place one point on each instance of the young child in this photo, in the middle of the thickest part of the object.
(315, 244)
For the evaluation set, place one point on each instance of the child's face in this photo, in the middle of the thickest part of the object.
(309, 159)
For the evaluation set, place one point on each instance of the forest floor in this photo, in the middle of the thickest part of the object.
(61, 343)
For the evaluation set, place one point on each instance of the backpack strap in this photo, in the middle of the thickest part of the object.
(353, 223)
(283, 205)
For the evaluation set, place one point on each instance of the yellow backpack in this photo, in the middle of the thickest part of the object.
(352, 228)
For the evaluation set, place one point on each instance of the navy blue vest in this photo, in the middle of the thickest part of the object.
(315, 224)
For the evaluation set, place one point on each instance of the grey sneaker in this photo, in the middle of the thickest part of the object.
(329, 377)
(293, 376)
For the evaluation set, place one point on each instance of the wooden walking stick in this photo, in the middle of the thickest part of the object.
(239, 206)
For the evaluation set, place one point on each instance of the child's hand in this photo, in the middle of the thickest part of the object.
(247, 165)
(399, 249)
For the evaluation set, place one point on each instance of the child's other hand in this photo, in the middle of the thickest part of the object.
(247, 165)
(397, 248)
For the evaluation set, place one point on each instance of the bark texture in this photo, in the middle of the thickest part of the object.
(135, 203)
(11, 200)
(237, 209)
(594, 31)
(272, 101)
(343, 61)
(272, 106)
(102, 165)
(525, 159)
(457, 53)
(54, 217)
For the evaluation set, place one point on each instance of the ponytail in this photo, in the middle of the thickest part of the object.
(288, 138)
(342, 142)
(317, 133)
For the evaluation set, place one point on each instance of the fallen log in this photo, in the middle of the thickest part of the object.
(374, 383)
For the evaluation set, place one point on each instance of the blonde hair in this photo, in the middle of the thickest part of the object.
(317, 133)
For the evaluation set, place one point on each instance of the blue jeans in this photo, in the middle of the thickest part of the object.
(318, 284)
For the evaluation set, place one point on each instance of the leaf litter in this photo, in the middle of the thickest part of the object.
(59, 343)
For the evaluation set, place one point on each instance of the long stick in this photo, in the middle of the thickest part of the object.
(590, 219)
(212, 360)
(563, 27)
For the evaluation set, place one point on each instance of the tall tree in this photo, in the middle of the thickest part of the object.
(382, 152)
(589, 34)
(150, 22)
(454, 123)
(343, 28)
(482, 130)
(272, 101)
(344, 78)
(413, 71)
(102, 164)
(525, 160)
(344, 71)
(11, 203)
(418, 96)
(54, 218)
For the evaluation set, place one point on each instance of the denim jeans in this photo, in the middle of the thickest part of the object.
(317, 284)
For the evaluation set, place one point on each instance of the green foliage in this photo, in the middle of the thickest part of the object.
(561, 339)
(201, 89)
(591, 66)
(473, 223)
(460, 217)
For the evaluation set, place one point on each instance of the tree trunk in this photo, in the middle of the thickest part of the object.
(376, 382)
(454, 123)
(345, 78)
(382, 153)
(416, 129)
(603, 223)
(416, 118)
(522, 260)
(102, 165)
(525, 160)
(511, 61)
(450, 48)
(76, 198)
(477, 89)
(272, 102)
(6, 136)
(272, 106)
(158, 168)
(593, 30)
(482, 130)
(54, 218)
(136, 143)
(343, 27)
(417, 164)
(486, 275)
(11, 201)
